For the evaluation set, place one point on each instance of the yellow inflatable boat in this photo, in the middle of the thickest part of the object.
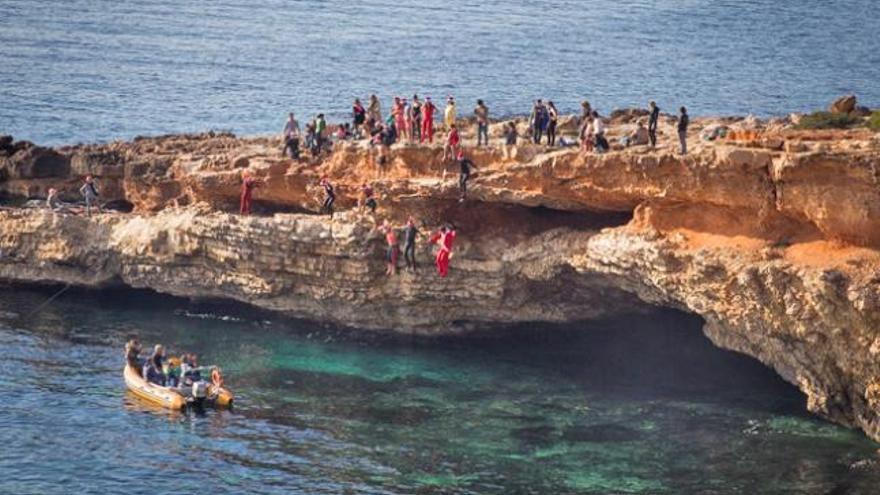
(211, 394)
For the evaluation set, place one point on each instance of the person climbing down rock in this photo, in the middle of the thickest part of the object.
(452, 142)
(248, 184)
(392, 250)
(367, 198)
(410, 233)
(445, 238)
(329, 196)
(90, 193)
(465, 167)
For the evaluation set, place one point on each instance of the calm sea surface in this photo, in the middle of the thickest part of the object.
(93, 70)
(642, 405)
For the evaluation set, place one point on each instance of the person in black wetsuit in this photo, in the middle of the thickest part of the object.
(329, 198)
(466, 166)
(410, 232)
(652, 123)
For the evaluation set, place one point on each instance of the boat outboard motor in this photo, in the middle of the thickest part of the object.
(199, 391)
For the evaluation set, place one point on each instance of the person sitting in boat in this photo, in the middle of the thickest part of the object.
(133, 354)
(153, 366)
(189, 370)
(172, 370)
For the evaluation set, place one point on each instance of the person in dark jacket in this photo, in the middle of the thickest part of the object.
(652, 123)
(683, 122)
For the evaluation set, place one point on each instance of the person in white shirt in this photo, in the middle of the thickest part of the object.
(290, 137)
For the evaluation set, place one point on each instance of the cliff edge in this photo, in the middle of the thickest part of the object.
(770, 235)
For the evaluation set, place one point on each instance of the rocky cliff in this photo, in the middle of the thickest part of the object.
(770, 235)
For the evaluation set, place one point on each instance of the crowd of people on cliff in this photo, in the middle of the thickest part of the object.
(412, 121)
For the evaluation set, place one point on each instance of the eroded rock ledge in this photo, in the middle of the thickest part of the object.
(773, 241)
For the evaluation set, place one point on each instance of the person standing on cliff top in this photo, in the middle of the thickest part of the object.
(652, 123)
(538, 120)
(374, 109)
(449, 113)
(552, 120)
(329, 196)
(90, 193)
(510, 136)
(358, 118)
(481, 111)
(444, 238)
(248, 184)
(415, 120)
(428, 121)
(290, 137)
(683, 122)
(320, 131)
(398, 110)
(599, 142)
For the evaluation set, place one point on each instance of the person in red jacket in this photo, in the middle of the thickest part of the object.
(444, 238)
(248, 184)
(452, 142)
(428, 121)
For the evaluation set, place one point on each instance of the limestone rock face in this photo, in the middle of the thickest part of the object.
(311, 267)
(817, 326)
(772, 235)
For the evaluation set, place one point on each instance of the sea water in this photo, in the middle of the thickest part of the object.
(99, 70)
(640, 405)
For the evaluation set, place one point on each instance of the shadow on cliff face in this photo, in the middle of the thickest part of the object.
(510, 222)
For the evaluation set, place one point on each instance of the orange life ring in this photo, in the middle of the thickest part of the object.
(216, 377)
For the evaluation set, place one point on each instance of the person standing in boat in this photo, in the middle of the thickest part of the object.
(133, 355)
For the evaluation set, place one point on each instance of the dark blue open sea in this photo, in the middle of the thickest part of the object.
(97, 70)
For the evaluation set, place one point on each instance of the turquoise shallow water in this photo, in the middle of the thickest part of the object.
(641, 405)
(86, 70)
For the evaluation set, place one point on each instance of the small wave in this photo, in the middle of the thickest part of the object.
(208, 316)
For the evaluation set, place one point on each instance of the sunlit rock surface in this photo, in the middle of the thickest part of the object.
(770, 235)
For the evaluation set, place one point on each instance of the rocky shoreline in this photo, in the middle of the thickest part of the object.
(771, 236)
